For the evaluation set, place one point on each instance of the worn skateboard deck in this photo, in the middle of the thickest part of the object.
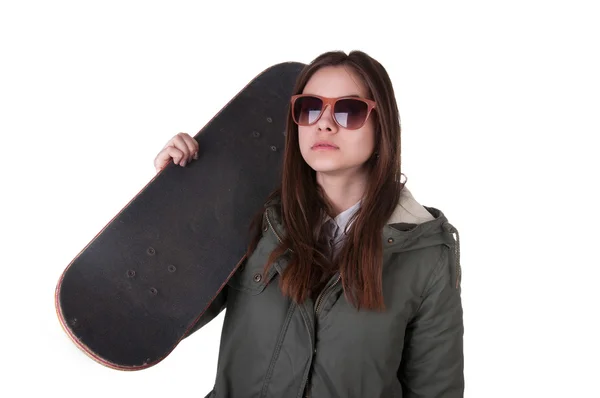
(131, 295)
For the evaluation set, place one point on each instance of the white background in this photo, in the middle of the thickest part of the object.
(499, 104)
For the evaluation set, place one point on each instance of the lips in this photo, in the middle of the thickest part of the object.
(324, 145)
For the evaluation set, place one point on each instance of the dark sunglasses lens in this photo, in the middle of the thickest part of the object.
(307, 110)
(351, 113)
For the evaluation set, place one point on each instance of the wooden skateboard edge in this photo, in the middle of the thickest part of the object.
(86, 350)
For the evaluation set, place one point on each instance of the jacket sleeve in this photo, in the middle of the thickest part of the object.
(214, 309)
(432, 359)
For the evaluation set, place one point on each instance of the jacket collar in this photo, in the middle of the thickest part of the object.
(409, 219)
(411, 226)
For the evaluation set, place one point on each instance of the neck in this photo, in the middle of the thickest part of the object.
(342, 191)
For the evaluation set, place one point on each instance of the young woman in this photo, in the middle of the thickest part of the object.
(350, 287)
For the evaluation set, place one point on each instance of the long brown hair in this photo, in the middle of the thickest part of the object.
(302, 201)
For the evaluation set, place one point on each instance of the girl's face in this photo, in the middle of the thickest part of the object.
(327, 147)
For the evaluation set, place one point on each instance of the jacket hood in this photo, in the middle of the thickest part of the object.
(413, 226)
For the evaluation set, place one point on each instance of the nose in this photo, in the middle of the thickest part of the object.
(326, 121)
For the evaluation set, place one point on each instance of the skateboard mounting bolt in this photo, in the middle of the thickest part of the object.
(273, 148)
(153, 291)
(390, 240)
(171, 268)
(131, 273)
(257, 278)
(255, 134)
(151, 251)
(269, 120)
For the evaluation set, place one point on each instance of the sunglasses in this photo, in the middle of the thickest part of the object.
(348, 112)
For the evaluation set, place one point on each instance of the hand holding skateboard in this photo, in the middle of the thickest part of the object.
(182, 149)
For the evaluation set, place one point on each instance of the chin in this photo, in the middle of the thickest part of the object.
(326, 167)
(334, 166)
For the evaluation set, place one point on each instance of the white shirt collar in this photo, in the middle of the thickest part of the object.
(341, 220)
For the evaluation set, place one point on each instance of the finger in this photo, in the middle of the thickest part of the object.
(180, 143)
(178, 155)
(191, 145)
(170, 153)
(196, 147)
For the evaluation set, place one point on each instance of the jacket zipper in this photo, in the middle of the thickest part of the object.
(322, 294)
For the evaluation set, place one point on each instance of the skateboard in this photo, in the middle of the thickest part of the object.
(133, 292)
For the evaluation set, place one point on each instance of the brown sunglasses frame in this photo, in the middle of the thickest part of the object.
(331, 102)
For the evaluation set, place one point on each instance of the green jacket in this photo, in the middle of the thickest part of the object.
(271, 347)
